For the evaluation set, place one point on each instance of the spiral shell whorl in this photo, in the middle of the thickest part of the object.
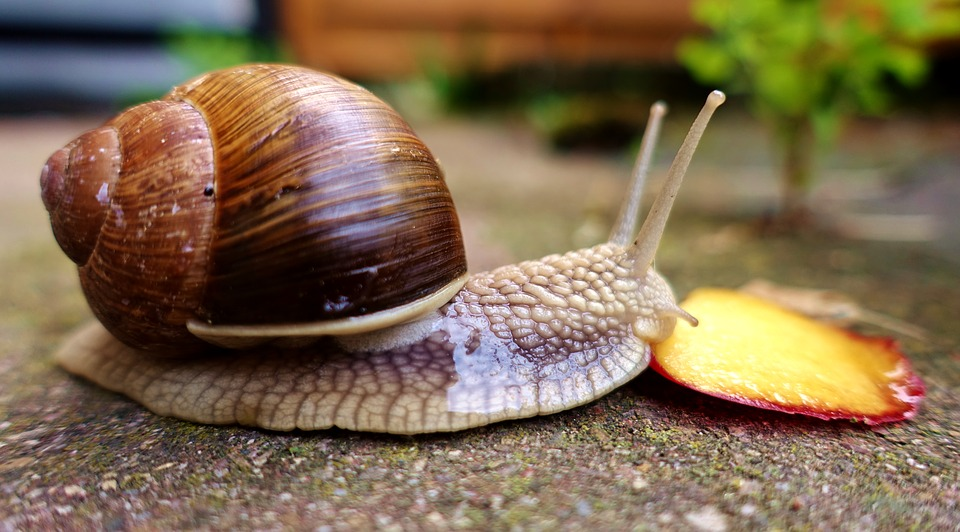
(328, 205)
(76, 185)
(148, 271)
(254, 196)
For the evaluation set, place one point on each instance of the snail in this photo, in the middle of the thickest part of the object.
(272, 246)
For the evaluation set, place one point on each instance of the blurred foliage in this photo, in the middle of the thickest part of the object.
(202, 50)
(805, 65)
(601, 122)
(592, 106)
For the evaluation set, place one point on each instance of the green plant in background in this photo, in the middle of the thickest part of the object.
(202, 50)
(805, 65)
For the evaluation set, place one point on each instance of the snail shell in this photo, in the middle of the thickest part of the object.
(255, 198)
(520, 340)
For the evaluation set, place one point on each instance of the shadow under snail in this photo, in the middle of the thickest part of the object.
(272, 246)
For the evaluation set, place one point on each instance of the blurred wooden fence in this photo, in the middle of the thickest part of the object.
(393, 38)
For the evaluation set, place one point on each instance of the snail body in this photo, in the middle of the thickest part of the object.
(520, 340)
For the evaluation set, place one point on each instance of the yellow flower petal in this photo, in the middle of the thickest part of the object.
(754, 352)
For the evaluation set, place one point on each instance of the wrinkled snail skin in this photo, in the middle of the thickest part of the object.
(520, 340)
(526, 339)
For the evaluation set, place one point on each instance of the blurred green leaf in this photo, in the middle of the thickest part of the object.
(907, 64)
(708, 63)
(204, 50)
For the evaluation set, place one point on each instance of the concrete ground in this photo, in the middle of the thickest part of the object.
(648, 456)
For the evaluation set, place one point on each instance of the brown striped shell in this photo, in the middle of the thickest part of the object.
(257, 200)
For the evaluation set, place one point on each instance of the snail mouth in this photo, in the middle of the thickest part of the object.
(659, 326)
(300, 334)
